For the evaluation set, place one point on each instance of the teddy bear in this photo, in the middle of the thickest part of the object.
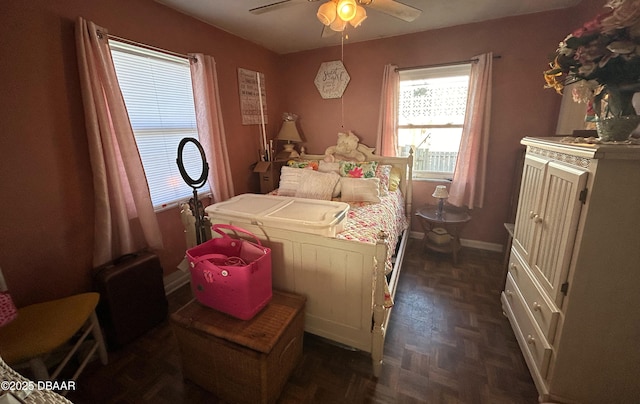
(347, 148)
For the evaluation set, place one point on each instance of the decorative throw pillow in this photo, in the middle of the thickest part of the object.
(360, 189)
(382, 173)
(333, 167)
(310, 164)
(325, 167)
(289, 180)
(394, 179)
(356, 169)
(316, 185)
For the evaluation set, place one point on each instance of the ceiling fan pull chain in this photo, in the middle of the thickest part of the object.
(342, 96)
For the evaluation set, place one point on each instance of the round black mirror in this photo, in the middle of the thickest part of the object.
(193, 183)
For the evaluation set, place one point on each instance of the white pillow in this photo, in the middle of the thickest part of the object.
(383, 172)
(316, 185)
(334, 167)
(325, 167)
(360, 189)
(289, 180)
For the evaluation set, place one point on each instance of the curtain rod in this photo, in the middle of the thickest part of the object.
(460, 62)
(153, 48)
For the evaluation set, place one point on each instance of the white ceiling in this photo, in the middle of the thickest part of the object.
(294, 26)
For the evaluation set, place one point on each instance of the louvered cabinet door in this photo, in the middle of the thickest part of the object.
(556, 222)
(524, 234)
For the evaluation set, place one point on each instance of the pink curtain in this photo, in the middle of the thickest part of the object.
(120, 187)
(210, 126)
(387, 140)
(468, 186)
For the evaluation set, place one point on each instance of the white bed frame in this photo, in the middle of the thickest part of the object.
(342, 280)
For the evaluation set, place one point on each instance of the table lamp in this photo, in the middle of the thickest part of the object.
(442, 194)
(288, 132)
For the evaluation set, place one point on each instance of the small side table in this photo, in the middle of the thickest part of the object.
(452, 220)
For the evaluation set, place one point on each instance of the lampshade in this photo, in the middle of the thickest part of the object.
(327, 12)
(440, 192)
(346, 9)
(289, 132)
(338, 25)
(361, 15)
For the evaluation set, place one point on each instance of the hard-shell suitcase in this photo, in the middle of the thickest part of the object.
(132, 298)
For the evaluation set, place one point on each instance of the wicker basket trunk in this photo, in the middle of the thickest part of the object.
(241, 361)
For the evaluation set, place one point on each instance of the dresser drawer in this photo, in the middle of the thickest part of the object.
(517, 267)
(528, 333)
(541, 307)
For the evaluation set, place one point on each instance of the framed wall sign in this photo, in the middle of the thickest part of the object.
(332, 79)
(253, 95)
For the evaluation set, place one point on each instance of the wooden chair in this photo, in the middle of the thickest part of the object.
(42, 329)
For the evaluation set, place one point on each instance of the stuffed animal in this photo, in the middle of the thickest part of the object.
(345, 149)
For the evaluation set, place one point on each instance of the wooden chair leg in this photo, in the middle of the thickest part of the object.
(97, 335)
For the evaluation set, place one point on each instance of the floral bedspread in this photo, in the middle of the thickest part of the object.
(366, 220)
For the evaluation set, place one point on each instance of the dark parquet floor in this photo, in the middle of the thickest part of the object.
(447, 342)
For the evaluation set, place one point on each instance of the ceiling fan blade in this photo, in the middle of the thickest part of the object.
(277, 5)
(270, 7)
(396, 9)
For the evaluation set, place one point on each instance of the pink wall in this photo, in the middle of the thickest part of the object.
(521, 107)
(46, 207)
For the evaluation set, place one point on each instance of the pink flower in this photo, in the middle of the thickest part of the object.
(356, 172)
(593, 26)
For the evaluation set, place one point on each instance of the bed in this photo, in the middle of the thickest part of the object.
(349, 279)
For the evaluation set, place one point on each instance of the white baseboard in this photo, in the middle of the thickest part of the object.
(175, 280)
(481, 245)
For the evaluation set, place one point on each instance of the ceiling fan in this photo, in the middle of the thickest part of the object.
(335, 14)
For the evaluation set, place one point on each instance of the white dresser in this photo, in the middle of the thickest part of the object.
(572, 293)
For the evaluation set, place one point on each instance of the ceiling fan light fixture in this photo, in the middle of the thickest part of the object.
(327, 13)
(346, 9)
(361, 15)
(338, 25)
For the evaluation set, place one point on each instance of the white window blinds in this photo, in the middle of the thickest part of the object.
(159, 98)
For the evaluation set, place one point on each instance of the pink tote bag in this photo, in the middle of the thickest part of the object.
(231, 275)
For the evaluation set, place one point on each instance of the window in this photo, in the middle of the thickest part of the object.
(158, 94)
(431, 108)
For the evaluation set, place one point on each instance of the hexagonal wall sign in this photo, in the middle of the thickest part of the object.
(332, 79)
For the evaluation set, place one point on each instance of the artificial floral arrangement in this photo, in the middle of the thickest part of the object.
(603, 57)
